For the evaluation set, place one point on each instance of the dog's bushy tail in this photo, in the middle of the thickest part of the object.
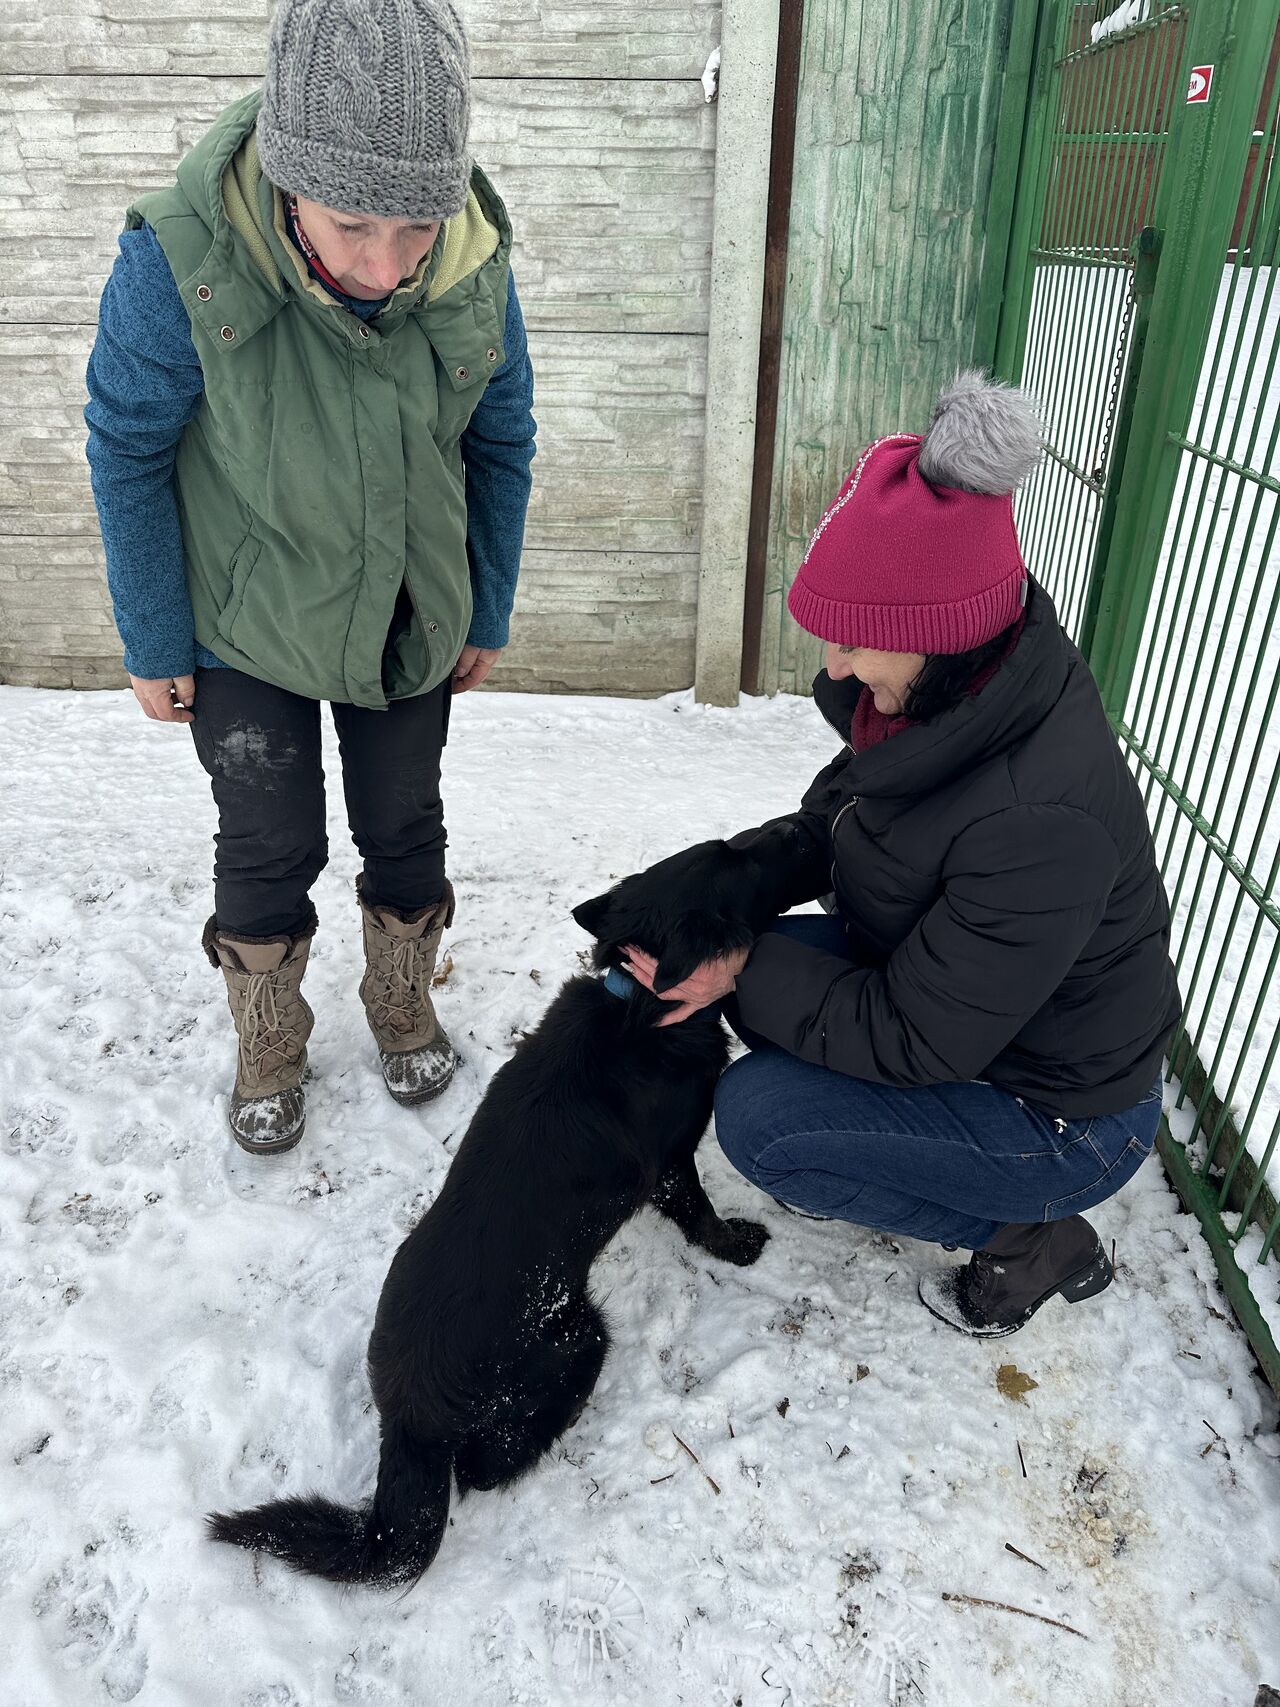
(388, 1542)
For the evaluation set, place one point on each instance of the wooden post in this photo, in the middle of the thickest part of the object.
(749, 37)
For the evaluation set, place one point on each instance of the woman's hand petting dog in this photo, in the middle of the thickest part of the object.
(710, 982)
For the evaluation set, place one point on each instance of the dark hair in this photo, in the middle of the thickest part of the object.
(946, 677)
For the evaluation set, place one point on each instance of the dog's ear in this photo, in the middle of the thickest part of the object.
(593, 915)
(697, 937)
(674, 967)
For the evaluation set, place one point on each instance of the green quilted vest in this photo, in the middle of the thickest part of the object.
(322, 471)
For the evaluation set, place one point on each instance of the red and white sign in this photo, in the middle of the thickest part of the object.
(1201, 83)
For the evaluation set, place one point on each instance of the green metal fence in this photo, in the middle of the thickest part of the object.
(1137, 300)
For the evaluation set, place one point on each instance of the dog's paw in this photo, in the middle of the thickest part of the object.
(738, 1241)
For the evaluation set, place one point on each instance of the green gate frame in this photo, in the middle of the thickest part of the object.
(1175, 270)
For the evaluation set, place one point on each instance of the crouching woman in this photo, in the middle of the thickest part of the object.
(967, 1047)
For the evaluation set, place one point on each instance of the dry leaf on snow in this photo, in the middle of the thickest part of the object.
(1013, 1383)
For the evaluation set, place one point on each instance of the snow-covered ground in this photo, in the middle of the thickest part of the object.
(183, 1327)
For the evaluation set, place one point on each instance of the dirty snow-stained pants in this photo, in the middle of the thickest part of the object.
(261, 748)
(949, 1162)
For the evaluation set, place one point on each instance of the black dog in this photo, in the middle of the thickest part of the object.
(487, 1344)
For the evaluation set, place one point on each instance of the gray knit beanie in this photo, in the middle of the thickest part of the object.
(365, 106)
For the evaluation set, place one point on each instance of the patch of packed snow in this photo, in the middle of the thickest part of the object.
(711, 75)
(183, 1327)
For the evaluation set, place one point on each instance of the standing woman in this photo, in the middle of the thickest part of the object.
(968, 1049)
(310, 433)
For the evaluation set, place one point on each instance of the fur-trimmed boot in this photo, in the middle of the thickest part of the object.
(264, 991)
(1000, 1288)
(400, 951)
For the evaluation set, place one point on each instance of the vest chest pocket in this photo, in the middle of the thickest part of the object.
(242, 566)
(466, 356)
(458, 389)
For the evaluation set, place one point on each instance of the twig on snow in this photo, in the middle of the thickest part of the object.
(1019, 1554)
(1216, 1441)
(1021, 1459)
(1003, 1606)
(714, 1486)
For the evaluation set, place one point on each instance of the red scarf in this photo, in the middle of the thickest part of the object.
(869, 726)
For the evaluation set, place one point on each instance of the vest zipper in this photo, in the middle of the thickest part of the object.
(360, 341)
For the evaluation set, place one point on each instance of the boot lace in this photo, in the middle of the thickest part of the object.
(397, 999)
(979, 1276)
(265, 1039)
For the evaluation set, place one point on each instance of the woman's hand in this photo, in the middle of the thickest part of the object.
(166, 699)
(708, 983)
(473, 666)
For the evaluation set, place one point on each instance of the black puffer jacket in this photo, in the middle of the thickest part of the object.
(995, 869)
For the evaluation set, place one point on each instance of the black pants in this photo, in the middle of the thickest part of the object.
(261, 747)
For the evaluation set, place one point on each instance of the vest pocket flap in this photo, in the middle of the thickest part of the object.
(467, 345)
(474, 368)
(226, 310)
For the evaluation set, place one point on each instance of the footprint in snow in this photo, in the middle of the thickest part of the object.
(89, 1617)
(596, 1621)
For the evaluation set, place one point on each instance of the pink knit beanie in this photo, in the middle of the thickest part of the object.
(918, 552)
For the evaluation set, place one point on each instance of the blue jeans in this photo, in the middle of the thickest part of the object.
(952, 1162)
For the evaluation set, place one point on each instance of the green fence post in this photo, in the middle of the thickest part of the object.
(1209, 145)
(1017, 276)
(1017, 114)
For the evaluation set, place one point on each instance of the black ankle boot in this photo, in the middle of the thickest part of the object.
(1000, 1288)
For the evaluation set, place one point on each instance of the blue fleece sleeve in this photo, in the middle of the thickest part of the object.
(145, 383)
(497, 448)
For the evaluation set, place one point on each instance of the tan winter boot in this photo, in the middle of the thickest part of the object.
(273, 1023)
(400, 955)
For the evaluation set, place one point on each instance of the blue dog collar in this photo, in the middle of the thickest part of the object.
(620, 983)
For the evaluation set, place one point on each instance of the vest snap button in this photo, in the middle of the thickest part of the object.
(491, 355)
(228, 333)
(203, 292)
(364, 331)
(462, 373)
(432, 627)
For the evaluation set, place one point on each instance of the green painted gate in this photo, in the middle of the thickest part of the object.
(1137, 300)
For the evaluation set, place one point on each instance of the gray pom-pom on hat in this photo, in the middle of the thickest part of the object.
(985, 436)
(365, 106)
